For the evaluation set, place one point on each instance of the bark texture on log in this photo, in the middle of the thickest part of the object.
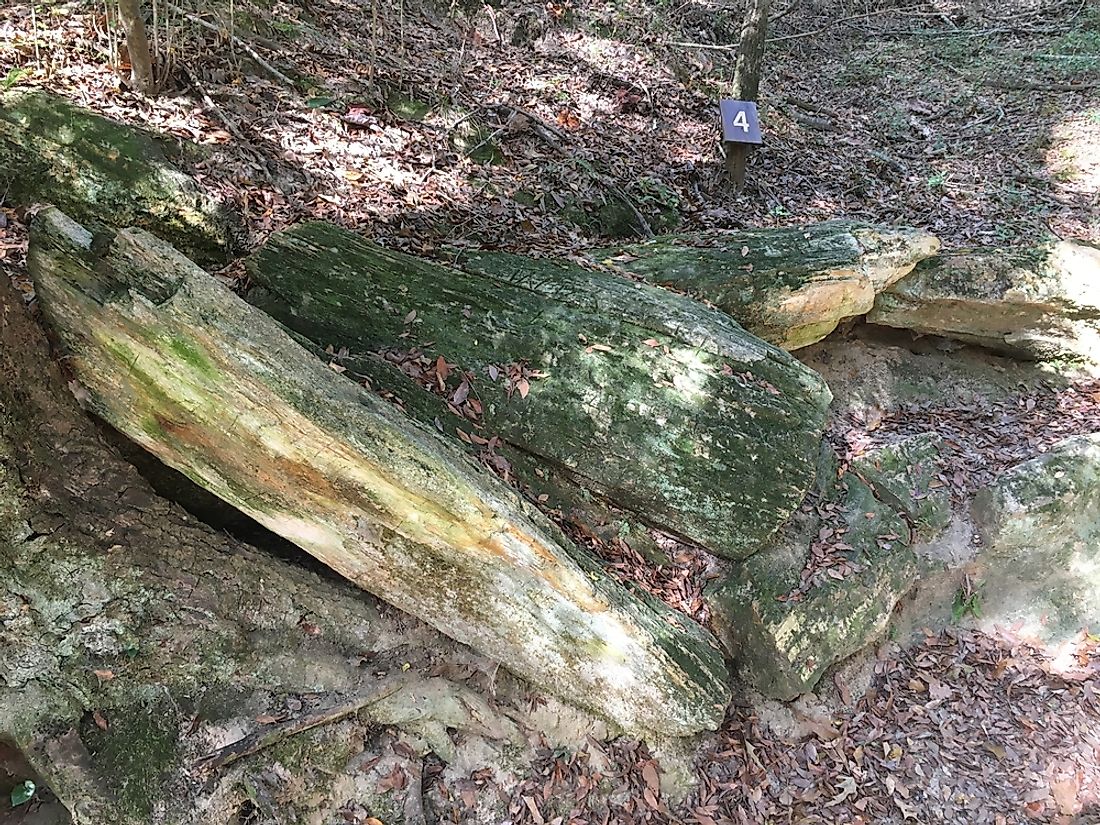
(136, 640)
(104, 173)
(217, 390)
(789, 286)
(647, 399)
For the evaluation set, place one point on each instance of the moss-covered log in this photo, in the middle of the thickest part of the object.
(641, 397)
(217, 390)
(105, 173)
(789, 286)
(134, 641)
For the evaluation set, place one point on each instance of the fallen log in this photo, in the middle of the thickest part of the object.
(791, 286)
(105, 173)
(1036, 304)
(217, 390)
(136, 641)
(629, 393)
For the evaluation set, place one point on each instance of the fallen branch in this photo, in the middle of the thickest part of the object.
(684, 44)
(264, 64)
(210, 104)
(276, 733)
(1037, 86)
(551, 136)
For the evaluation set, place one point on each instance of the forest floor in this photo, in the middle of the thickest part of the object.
(541, 128)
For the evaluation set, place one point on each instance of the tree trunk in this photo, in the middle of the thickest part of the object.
(789, 286)
(135, 642)
(137, 44)
(215, 389)
(746, 80)
(103, 173)
(638, 396)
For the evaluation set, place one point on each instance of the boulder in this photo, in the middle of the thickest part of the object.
(785, 623)
(1039, 565)
(904, 475)
(789, 286)
(1039, 304)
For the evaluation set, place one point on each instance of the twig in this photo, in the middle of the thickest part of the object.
(1032, 85)
(267, 67)
(209, 102)
(838, 20)
(811, 107)
(273, 734)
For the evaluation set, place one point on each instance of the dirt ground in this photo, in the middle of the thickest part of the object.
(545, 128)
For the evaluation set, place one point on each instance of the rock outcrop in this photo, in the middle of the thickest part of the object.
(828, 586)
(1038, 304)
(1039, 566)
(789, 286)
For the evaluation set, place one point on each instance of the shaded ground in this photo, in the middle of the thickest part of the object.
(541, 128)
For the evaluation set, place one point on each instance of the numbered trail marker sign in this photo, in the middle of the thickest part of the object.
(740, 123)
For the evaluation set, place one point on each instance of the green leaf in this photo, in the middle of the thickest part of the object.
(22, 793)
(320, 102)
(11, 78)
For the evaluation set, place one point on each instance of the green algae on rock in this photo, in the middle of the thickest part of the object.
(665, 408)
(784, 636)
(1039, 564)
(105, 173)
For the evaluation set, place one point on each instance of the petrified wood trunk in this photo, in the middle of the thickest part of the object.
(217, 390)
(633, 394)
(789, 286)
(136, 641)
(103, 172)
(1034, 303)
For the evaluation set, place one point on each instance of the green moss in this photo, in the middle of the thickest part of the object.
(187, 352)
(138, 752)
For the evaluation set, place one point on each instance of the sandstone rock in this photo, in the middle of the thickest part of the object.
(1037, 304)
(789, 286)
(904, 476)
(783, 644)
(1040, 526)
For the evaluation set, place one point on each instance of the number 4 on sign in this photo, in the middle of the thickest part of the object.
(740, 123)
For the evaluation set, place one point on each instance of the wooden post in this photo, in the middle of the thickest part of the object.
(746, 81)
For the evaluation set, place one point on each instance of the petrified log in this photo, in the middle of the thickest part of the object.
(1037, 303)
(105, 173)
(647, 399)
(217, 390)
(789, 286)
(135, 641)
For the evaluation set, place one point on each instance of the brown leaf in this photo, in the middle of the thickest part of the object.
(100, 720)
(104, 675)
(534, 809)
(394, 780)
(651, 776)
